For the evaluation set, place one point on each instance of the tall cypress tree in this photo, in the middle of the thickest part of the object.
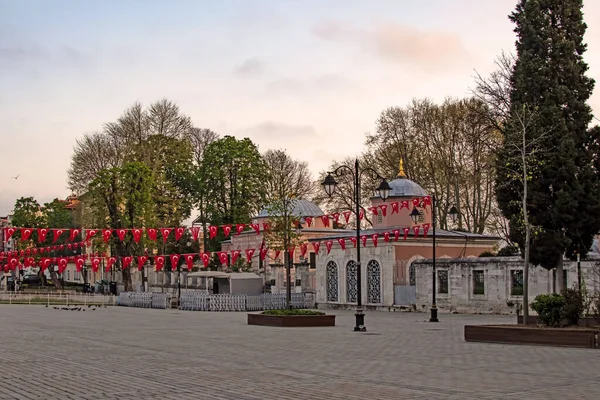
(549, 76)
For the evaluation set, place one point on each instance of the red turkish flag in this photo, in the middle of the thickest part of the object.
(266, 227)
(427, 201)
(205, 257)
(226, 230)
(375, 238)
(328, 245)
(406, 231)
(386, 236)
(79, 263)
(160, 262)
(347, 215)
(303, 249)
(235, 254)
(256, 228)
(308, 220)
(95, 263)
(363, 239)
(263, 253)
(239, 228)
(110, 261)
(425, 229)
(137, 234)
(62, 264)
(404, 204)
(325, 220)
(26, 233)
(416, 230)
(73, 234)
(249, 254)
(121, 234)
(13, 263)
(195, 232)
(179, 231)
(277, 253)
(396, 233)
(29, 262)
(8, 232)
(106, 234)
(212, 231)
(353, 240)
(141, 262)
(223, 258)
(189, 261)
(383, 209)
(57, 233)
(126, 262)
(342, 243)
(374, 210)
(336, 217)
(416, 202)
(316, 246)
(291, 251)
(395, 207)
(42, 232)
(151, 234)
(361, 214)
(45, 263)
(90, 233)
(174, 261)
(165, 232)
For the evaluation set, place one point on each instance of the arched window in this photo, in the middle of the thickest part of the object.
(351, 282)
(332, 281)
(412, 275)
(373, 282)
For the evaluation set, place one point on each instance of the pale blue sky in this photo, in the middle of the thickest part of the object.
(310, 76)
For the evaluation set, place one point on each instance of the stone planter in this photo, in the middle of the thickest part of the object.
(529, 335)
(291, 321)
(584, 321)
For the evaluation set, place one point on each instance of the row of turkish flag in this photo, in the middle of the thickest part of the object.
(213, 230)
(42, 250)
(223, 256)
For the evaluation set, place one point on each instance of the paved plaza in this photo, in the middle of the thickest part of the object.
(129, 353)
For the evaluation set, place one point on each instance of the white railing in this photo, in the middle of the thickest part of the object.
(57, 299)
(201, 301)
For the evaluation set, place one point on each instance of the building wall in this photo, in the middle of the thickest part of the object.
(401, 218)
(497, 297)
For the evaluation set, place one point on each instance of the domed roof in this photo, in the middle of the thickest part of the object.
(302, 208)
(404, 187)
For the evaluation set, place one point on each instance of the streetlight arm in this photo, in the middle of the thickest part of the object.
(371, 171)
(342, 170)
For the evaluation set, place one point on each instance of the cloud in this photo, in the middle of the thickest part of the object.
(35, 55)
(398, 43)
(250, 68)
(318, 84)
(278, 130)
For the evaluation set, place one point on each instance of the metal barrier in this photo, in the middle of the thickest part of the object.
(58, 299)
(201, 301)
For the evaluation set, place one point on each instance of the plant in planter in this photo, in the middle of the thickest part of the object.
(548, 307)
(573, 306)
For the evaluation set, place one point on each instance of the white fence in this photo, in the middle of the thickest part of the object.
(58, 299)
(201, 301)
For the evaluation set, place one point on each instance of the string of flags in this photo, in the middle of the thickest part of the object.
(213, 230)
(21, 259)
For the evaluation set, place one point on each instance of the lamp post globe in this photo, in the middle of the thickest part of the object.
(329, 184)
(414, 215)
(384, 190)
(453, 213)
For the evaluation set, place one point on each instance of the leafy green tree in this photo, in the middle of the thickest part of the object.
(550, 76)
(233, 176)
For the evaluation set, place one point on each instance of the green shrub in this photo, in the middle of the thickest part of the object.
(508, 251)
(292, 312)
(487, 254)
(549, 308)
(573, 307)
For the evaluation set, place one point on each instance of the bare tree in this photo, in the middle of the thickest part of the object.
(287, 177)
(200, 138)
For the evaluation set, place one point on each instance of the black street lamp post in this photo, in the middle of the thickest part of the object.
(414, 215)
(383, 190)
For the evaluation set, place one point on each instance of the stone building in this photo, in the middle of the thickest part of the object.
(493, 285)
(386, 277)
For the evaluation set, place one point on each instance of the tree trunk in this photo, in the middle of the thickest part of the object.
(54, 277)
(127, 283)
(560, 282)
(526, 277)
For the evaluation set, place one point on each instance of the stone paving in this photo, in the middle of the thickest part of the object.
(128, 353)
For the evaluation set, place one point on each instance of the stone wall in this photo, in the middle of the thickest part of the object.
(497, 283)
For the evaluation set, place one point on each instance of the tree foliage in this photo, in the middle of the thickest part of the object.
(287, 177)
(550, 75)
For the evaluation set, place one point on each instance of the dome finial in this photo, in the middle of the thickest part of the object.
(401, 173)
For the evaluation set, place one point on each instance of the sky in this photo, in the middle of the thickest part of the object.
(308, 76)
